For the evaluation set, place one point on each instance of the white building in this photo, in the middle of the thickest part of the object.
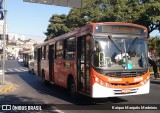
(15, 37)
(15, 43)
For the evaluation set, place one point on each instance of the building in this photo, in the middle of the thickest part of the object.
(15, 43)
(18, 44)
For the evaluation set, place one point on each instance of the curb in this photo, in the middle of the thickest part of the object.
(6, 89)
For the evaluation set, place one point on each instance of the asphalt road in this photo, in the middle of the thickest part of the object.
(30, 90)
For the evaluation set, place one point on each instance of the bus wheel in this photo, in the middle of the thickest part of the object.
(72, 89)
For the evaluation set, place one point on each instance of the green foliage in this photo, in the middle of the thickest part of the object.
(143, 12)
(154, 45)
(57, 26)
(150, 17)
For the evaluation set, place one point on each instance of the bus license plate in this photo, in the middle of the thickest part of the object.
(126, 90)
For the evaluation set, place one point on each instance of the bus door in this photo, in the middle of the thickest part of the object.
(39, 61)
(51, 62)
(83, 64)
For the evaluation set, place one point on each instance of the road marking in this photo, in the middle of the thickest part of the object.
(57, 110)
(24, 69)
(17, 70)
(10, 70)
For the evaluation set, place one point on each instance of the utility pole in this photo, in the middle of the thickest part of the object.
(4, 41)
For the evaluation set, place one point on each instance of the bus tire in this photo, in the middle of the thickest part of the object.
(72, 89)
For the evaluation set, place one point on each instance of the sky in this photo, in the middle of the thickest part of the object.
(31, 19)
(155, 33)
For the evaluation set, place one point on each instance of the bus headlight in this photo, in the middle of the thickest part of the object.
(107, 84)
(102, 83)
(145, 80)
(142, 83)
(96, 79)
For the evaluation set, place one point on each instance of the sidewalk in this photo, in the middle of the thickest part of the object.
(154, 81)
(152, 76)
(6, 87)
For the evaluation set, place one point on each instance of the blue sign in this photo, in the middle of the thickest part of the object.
(129, 66)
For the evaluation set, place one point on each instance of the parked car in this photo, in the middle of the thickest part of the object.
(20, 60)
(10, 57)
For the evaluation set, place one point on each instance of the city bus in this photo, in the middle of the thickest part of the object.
(27, 58)
(100, 60)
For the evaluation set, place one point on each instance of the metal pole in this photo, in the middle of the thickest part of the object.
(4, 42)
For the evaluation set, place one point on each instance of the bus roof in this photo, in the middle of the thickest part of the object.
(87, 28)
(119, 23)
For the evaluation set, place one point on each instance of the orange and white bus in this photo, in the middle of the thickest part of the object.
(107, 59)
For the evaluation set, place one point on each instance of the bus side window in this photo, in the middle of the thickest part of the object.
(59, 50)
(35, 54)
(65, 48)
(70, 48)
(47, 49)
(44, 52)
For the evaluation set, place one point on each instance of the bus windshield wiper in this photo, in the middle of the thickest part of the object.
(132, 44)
(115, 44)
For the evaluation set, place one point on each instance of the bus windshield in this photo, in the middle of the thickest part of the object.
(120, 53)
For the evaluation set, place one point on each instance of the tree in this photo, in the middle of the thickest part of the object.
(91, 11)
(143, 12)
(154, 45)
(57, 26)
(150, 17)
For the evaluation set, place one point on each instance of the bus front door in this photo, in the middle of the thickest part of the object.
(83, 64)
(51, 62)
(39, 61)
